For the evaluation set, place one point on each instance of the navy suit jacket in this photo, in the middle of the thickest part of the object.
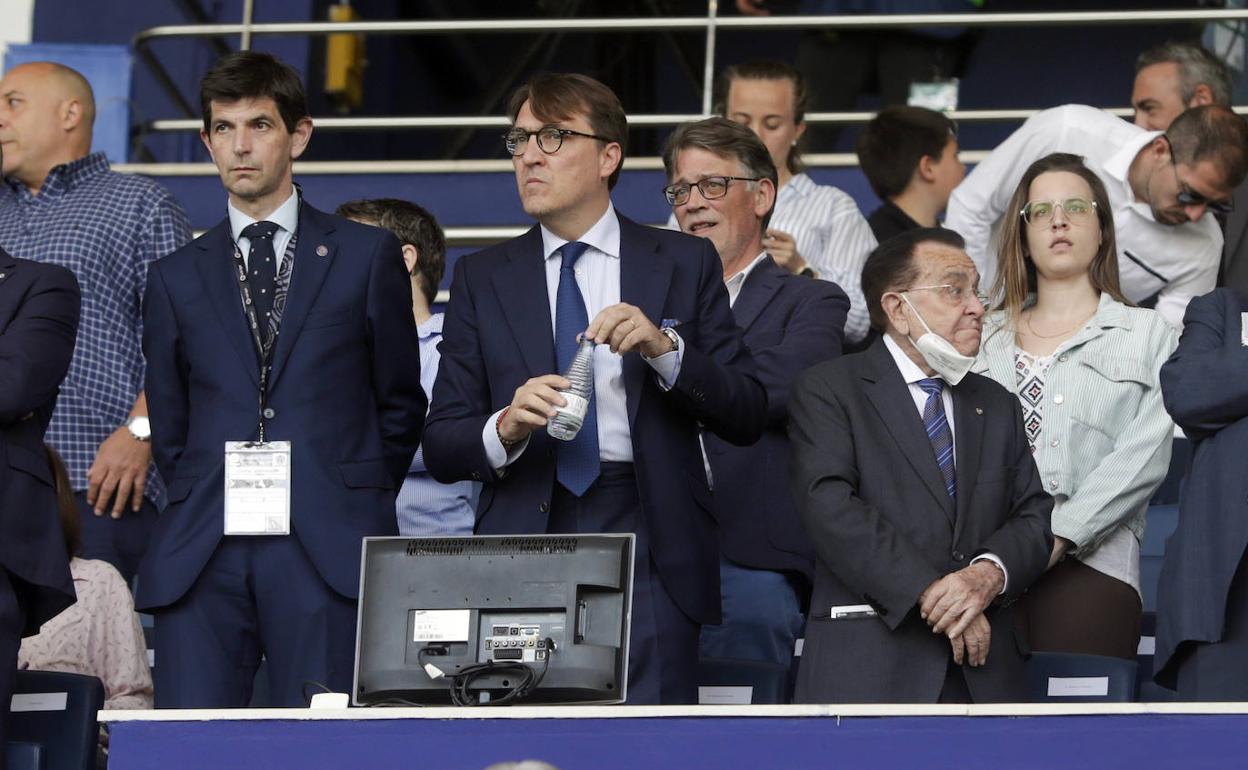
(1205, 387)
(344, 390)
(39, 307)
(497, 335)
(869, 489)
(791, 323)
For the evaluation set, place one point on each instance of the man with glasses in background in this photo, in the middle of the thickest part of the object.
(915, 482)
(669, 361)
(723, 188)
(1161, 186)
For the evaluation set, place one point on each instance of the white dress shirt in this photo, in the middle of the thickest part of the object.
(736, 281)
(911, 373)
(286, 217)
(598, 277)
(1181, 262)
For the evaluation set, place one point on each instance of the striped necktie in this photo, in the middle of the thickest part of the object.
(937, 425)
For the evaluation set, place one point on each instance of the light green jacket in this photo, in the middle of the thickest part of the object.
(1105, 434)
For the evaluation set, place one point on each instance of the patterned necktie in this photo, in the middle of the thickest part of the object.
(262, 269)
(576, 461)
(938, 432)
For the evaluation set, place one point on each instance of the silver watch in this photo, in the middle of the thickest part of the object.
(140, 427)
(671, 334)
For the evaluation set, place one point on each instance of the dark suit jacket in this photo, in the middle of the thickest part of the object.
(39, 306)
(1234, 268)
(497, 336)
(868, 487)
(790, 323)
(344, 389)
(1205, 387)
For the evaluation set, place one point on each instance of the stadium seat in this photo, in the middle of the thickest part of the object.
(768, 682)
(1059, 677)
(1160, 524)
(53, 725)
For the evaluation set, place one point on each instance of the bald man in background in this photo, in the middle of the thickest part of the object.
(62, 204)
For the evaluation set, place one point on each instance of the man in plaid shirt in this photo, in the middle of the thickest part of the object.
(61, 204)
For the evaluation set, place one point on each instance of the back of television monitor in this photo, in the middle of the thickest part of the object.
(494, 619)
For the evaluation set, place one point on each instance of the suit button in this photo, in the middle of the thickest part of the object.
(544, 507)
(958, 556)
(476, 475)
(699, 394)
(269, 414)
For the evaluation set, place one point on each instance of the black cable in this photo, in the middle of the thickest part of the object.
(460, 682)
(308, 698)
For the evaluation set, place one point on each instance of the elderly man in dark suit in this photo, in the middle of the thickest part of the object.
(915, 481)
(669, 359)
(1202, 597)
(723, 188)
(39, 307)
(289, 333)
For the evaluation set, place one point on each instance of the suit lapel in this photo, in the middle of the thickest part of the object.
(644, 279)
(969, 440)
(520, 285)
(760, 286)
(7, 265)
(314, 255)
(891, 398)
(216, 271)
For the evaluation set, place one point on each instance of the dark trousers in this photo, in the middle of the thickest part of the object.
(120, 542)
(12, 621)
(663, 644)
(955, 689)
(838, 66)
(1218, 671)
(256, 596)
(1073, 608)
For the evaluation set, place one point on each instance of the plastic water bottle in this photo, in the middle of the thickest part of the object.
(568, 419)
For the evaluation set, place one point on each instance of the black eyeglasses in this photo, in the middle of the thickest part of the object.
(711, 188)
(1189, 197)
(549, 139)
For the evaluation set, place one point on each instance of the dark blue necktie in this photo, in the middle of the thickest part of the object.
(262, 271)
(938, 432)
(576, 461)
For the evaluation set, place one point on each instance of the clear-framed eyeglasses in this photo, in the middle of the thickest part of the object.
(952, 293)
(1040, 213)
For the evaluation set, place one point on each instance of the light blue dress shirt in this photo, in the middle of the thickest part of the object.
(426, 506)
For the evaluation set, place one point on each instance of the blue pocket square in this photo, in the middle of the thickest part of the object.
(668, 323)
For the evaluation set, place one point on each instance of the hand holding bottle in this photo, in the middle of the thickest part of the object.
(532, 406)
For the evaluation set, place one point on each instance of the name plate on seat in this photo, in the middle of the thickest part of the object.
(1078, 686)
(39, 701)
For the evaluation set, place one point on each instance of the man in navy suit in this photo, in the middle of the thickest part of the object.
(1202, 596)
(669, 358)
(723, 188)
(280, 324)
(39, 307)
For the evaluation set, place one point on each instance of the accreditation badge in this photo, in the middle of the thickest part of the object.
(257, 488)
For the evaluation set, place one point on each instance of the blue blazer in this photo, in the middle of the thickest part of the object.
(39, 306)
(344, 389)
(1205, 387)
(497, 336)
(791, 323)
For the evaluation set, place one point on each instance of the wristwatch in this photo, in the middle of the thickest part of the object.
(671, 334)
(809, 272)
(140, 427)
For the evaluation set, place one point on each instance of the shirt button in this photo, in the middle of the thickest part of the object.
(1053, 484)
(1055, 442)
(1063, 358)
(269, 414)
(1059, 398)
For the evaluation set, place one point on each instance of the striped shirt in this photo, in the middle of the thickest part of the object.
(832, 236)
(108, 228)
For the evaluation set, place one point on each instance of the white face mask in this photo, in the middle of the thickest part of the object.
(939, 353)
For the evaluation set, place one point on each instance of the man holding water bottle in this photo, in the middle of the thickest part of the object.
(668, 361)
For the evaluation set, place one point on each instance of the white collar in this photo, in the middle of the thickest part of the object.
(910, 371)
(286, 216)
(1118, 165)
(741, 276)
(603, 236)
